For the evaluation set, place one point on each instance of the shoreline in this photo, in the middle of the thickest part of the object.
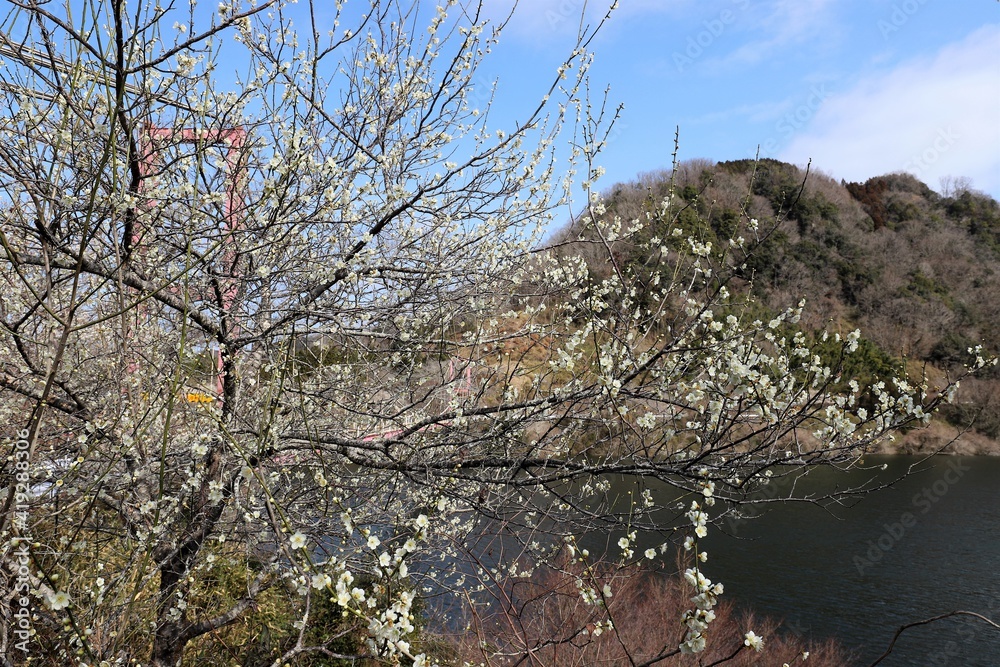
(939, 437)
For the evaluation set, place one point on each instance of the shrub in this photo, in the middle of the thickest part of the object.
(547, 616)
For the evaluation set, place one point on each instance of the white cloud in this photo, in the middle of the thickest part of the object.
(934, 116)
(540, 18)
(753, 112)
(773, 25)
(543, 19)
(777, 22)
(791, 21)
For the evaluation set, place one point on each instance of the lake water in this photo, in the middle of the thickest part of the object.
(926, 546)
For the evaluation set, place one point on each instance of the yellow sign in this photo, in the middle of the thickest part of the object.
(198, 397)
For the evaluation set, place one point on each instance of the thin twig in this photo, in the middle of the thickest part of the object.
(926, 621)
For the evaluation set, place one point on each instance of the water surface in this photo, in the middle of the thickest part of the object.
(926, 546)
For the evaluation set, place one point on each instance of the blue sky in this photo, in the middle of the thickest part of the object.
(863, 87)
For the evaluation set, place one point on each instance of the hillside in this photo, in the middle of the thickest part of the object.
(918, 272)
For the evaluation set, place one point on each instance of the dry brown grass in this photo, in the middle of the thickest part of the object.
(543, 621)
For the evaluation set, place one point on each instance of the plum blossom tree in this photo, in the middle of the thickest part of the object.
(287, 360)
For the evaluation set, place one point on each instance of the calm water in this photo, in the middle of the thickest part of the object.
(929, 545)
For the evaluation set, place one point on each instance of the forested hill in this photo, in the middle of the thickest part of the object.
(918, 272)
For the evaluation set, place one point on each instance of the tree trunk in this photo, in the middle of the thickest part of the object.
(168, 644)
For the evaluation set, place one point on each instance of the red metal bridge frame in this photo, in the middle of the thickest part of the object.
(234, 140)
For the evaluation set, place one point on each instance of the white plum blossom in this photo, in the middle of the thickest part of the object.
(297, 541)
(304, 338)
(58, 600)
(753, 641)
